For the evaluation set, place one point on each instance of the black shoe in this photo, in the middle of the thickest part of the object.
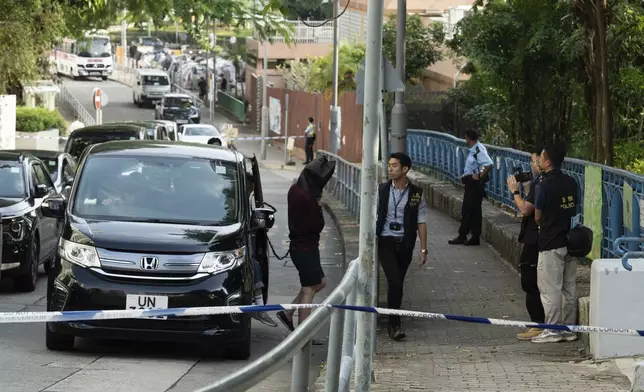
(281, 316)
(474, 241)
(396, 333)
(460, 240)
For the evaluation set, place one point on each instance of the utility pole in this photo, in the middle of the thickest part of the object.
(264, 104)
(124, 38)
(399, 110)
(336, 54)
(208, 73)
(369, 186)
(213, 86)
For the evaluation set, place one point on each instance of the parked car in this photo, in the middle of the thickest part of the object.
(60, 165)
(180, 108)
(29, 237)
(171, 127)
(202, 133)
(82, 138)
(180, 232)
(155, 130)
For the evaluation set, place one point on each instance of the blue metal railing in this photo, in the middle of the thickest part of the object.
(444, 155)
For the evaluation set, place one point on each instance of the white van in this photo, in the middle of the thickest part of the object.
(151, 84)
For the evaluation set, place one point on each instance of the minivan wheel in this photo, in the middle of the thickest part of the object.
(27, 282)
(241, 350)
(57, 341)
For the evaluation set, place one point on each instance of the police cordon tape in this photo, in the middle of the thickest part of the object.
(232, 138)
(66, 316)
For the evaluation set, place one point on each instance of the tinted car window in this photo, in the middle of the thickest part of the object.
(51, 164)
(155, 80)
(12, 180)
(41, 176)
(178, 102)
(200, 131)
(78, 144)
(69, 169)
(165, 189)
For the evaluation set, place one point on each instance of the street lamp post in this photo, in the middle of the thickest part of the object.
(335, 137)
(399, 110)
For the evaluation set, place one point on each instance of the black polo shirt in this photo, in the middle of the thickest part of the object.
(556, 197)
(529, 231)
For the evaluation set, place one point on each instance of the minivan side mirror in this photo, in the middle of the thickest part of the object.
(54, 207)
(41, 191)
(263, 218)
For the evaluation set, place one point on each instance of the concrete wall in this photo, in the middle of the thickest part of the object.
(45, 140)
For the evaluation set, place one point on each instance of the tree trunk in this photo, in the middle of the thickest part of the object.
(591, 14)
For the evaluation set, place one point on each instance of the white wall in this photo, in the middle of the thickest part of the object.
(7, 122)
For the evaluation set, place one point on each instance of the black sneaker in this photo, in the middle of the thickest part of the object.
(281, 316)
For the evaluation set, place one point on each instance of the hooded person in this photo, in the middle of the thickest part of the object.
(305, 223)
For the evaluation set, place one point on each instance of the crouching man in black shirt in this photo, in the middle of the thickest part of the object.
(556, 204)
(530, 252)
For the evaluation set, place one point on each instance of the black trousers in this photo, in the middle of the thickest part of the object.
(528, 268)
(471, 211)
(394, 258)
(308, 148)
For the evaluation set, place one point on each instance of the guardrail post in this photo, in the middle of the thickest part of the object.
(300, 371)
(334, 353)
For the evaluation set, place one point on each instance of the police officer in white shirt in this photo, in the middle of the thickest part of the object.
(76, 124)
(475, 175)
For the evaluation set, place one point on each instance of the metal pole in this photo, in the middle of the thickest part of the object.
(263, 146)
(399, 110)
(124, 38)
(208, 73)
(286, 130)
(213, 103)
(334, 353)
(382, 120)
(334, 142)
(300, 371)
(369, 185)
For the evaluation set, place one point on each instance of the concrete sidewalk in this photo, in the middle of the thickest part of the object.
(453, 356)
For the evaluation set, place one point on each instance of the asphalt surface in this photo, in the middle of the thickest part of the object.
(98, 366)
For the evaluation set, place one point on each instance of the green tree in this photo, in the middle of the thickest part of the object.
(422, 44)
(27, 30)
(307, 10)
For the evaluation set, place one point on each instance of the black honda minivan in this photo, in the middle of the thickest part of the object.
(159, 224)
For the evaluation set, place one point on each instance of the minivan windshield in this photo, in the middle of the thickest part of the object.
(155, 80)
(160, 189)
(12, 181)
(200, 131)
(78, 144)
(178, 102)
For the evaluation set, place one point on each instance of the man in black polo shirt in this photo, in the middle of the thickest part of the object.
(401, 213)
(530, 252)
(555, 206)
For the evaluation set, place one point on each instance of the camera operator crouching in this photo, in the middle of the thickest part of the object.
(529, 238)
(555, 206)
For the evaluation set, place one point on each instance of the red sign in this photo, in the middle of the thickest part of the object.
(98, 99)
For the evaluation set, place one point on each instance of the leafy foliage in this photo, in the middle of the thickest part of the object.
(38, 119)
(307, 10)
(27, 29)
(421, 44)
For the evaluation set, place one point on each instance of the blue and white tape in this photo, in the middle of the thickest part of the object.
(38, 317)
(233, 138)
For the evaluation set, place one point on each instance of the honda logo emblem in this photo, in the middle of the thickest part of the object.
(149, 263)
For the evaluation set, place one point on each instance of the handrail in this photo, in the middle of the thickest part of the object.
(626, 254)
(297, 341)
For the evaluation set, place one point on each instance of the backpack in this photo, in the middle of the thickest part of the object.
(580, 241)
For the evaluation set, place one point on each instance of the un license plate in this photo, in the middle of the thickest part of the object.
(95, 73)
(136, 302)
(182, 121)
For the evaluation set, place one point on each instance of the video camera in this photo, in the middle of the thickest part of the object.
(522, 176)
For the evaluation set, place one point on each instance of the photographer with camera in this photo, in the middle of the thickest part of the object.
(477, 167)
(529, 238)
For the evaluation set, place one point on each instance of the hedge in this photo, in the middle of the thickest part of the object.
(39, 119)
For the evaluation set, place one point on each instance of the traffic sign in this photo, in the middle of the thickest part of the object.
(392, 82)
(99, 97)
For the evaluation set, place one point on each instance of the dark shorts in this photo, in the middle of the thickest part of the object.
(309, 266)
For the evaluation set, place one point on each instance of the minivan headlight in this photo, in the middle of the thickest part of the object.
(216, 262)
(83, 255)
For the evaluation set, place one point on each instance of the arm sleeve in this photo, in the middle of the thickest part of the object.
(540, 197)
(422, 210)
(484, 158)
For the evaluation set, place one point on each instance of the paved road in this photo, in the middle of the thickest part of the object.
(98, 366)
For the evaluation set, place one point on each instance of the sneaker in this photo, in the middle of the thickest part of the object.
(529, 334)
(548, 336)
(281, 316)
(264, 318)
(396, 333)
(569, 336)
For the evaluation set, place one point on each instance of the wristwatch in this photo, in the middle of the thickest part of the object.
(516, 193)
(423, 251)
